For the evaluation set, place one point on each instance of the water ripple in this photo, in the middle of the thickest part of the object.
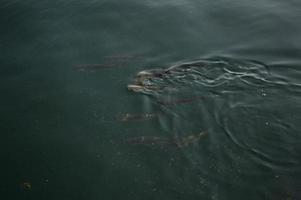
(241, 99)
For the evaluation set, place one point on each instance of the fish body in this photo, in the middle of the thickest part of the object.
(179, 101)
(148, 140)
(135, 117)
(124, 57)
(164, 141)
(186, 141)
(92, 67)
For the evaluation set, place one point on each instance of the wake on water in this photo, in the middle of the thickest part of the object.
(235, 98)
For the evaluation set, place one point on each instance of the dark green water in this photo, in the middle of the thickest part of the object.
(64, 134)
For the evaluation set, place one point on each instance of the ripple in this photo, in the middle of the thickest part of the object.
(218, 73)
(244, 98)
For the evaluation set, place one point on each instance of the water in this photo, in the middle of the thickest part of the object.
(70, 128)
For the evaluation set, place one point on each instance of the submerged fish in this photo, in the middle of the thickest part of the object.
(139, 88)
(179, 101)
(135, 117)
(124, 56)
(92, 67)
(176, 141)
(108, 62)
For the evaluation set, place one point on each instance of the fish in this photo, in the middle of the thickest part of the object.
(179, 101)
(139, 88)
(179, 142)
(186, 141)
(93, 67)
(124, 57)
(148, 140)
(108, 62)
(135, 117)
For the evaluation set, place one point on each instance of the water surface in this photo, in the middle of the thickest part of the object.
(65, 67)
